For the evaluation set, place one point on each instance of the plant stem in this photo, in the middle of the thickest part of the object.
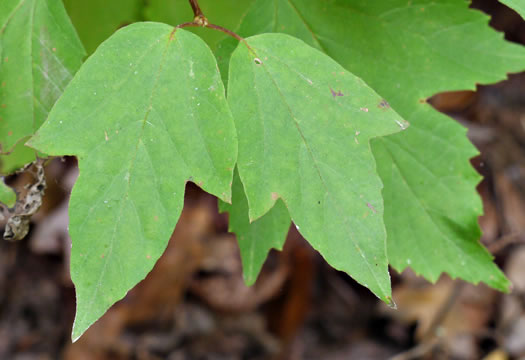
(212, 26)
(200, 20)
(197, 12)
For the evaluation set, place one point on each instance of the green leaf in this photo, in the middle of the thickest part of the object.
(304, 125)
(96, 20)
(7, 195)
(227, 13)
(408, 51)
(437, 229)
(145, 114)
(517, 5)
(255, 239)
(39, 53)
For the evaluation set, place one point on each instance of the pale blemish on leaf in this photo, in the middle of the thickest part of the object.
(371, 207)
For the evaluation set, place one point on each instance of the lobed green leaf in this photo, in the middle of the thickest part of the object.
(408, 51)
(145, 114)
(304, 125)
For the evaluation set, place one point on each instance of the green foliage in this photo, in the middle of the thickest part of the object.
(408, 52)
(7, 195)
(154, 107)
(40, 52)
(147, 112)
(304, 125)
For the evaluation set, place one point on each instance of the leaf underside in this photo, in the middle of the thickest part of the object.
(408, 51)
(152, 108)
(39, 53)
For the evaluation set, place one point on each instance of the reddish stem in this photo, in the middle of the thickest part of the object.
(197, 12)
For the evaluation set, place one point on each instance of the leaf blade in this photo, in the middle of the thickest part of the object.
(408, 52)
(304, 137)
(157, 117)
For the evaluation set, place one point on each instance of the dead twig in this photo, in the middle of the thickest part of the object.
(17, 225)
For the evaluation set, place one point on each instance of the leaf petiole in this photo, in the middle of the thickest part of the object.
(200, 20)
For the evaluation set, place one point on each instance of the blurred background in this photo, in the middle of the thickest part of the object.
(194, 305)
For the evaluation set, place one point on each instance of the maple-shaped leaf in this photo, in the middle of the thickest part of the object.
(408, 51)
(304, 124)
(145, 114)
(39, 53)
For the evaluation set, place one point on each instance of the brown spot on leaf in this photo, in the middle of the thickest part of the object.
(54, 49)
(10, 133)
(148, 257)
(336, 94)
(275, 196)
(102, 256)
(3, 83)
(383, 104)
(422, 101)
(156, 218)
(6, 59)
(4, 106)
